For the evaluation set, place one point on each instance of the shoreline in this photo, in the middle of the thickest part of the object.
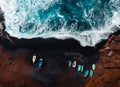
(68, 45)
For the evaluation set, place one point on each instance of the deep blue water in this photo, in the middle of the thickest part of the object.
(88, 21)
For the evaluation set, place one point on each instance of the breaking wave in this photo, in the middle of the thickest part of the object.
(87, 21)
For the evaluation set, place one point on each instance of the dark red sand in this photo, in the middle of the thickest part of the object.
(107, 73)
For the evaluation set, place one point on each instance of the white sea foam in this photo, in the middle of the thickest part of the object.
(86, 38)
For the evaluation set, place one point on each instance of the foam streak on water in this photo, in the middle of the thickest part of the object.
(87, 21)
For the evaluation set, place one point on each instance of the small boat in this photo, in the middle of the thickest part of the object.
(40, 63)
(34, 58)
(82, 68)
(69, 63)
(93, 66)
(79, 68)
(74, 64)
(86, 73)
(91, 73)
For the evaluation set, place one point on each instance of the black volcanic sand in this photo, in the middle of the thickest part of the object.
(56, 54)
(55, 71)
